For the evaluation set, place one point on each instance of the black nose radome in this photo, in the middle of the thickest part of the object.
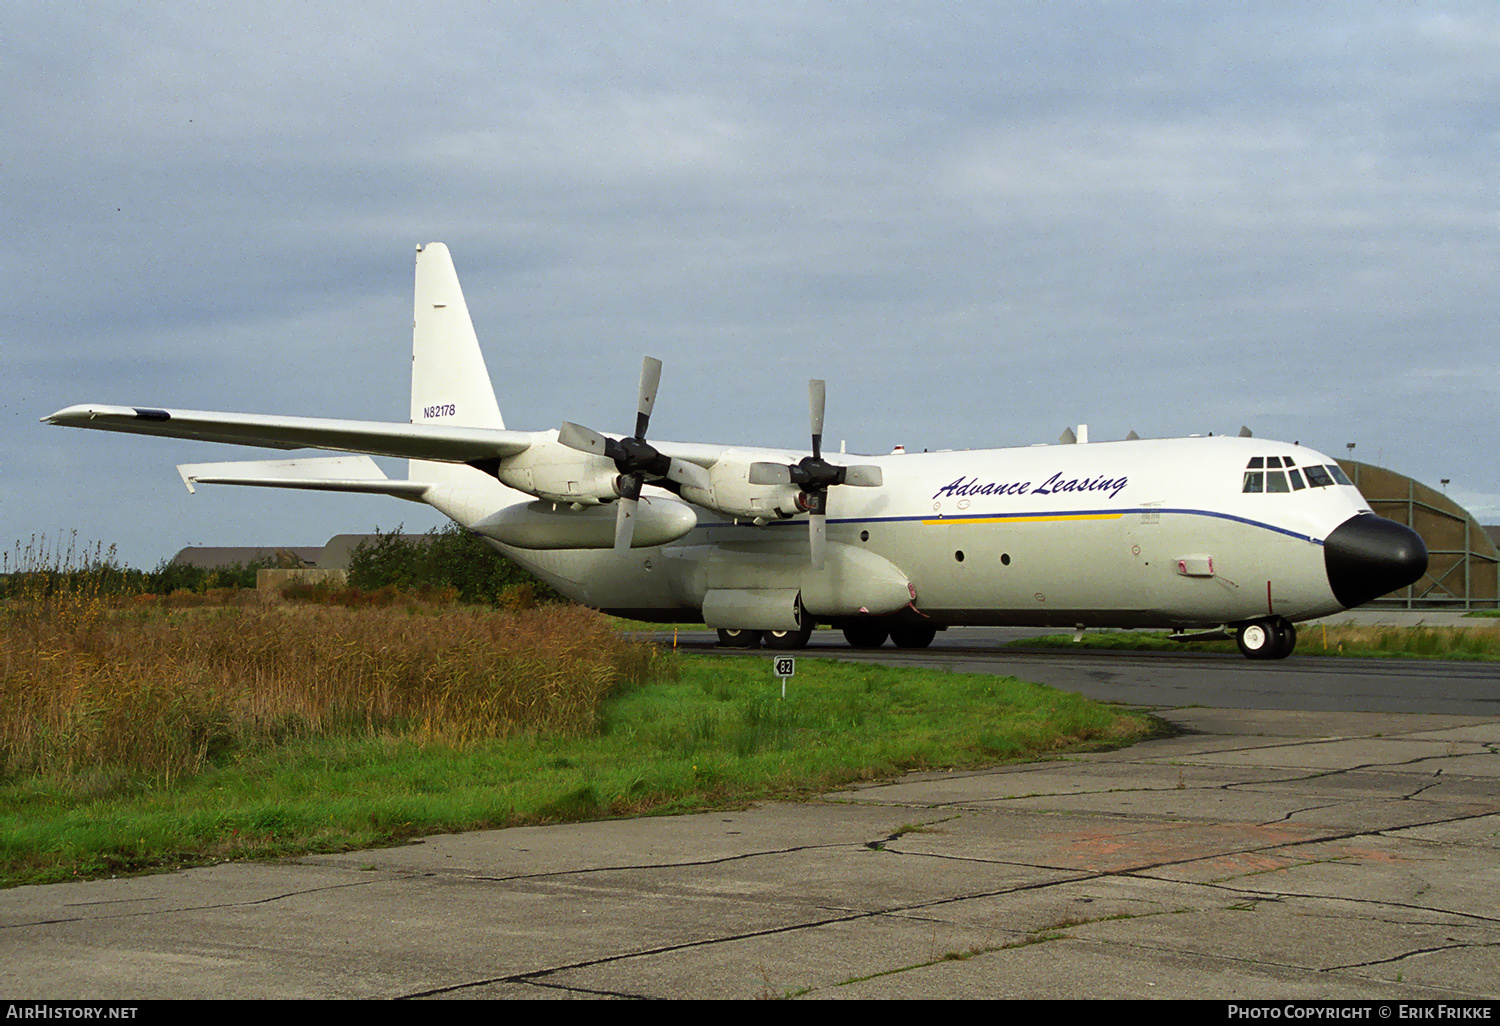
(1368, 556)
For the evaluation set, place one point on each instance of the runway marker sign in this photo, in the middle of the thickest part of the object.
(784, 667)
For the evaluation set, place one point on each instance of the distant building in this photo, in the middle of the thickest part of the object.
(340, 548)
(211, 558)
(334, 555)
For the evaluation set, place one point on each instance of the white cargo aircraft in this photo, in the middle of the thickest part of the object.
(1214, 536)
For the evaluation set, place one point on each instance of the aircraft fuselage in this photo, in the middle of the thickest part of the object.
(1127, 534)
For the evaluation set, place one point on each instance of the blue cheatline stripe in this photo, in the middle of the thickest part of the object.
(999, 518)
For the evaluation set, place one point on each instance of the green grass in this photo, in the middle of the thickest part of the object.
(1127, 641)
(1480, 643)
(648, 626)
(718, 736)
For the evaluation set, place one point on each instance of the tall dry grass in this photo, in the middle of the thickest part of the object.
(1481, 640)
(88, 682)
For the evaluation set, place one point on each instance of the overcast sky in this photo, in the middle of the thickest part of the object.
(981, 223)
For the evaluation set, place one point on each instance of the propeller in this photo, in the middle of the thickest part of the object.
(815, 475)
(636, 459)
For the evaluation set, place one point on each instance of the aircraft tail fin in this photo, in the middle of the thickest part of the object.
(450, 384)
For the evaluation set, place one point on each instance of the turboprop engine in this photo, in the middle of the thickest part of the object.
(729, 491)
(560, 474)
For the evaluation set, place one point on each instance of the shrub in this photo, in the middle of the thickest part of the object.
(449, 557)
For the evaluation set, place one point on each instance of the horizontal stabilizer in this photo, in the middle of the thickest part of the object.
(447, 444)
(336, 474)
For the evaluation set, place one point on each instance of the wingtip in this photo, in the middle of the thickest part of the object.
(69, 414)
(84, 412)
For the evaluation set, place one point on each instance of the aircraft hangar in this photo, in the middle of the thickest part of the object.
(1462, 559)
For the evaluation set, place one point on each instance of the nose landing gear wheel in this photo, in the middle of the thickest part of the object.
(1271, 638)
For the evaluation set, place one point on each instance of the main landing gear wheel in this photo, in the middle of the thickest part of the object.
(789, 639)
(1287, 639)
(913, 635)
(738, 637)
(1272, 638)
(866, 634)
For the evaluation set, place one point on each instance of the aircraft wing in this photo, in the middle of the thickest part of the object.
(409, 441)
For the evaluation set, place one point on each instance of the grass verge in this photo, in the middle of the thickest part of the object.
(1479, 643)
(717, 735)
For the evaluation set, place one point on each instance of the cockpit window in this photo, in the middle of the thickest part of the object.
(1265, 474)
(1318, 477)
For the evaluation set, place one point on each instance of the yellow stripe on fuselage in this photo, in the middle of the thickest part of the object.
(1021, 519)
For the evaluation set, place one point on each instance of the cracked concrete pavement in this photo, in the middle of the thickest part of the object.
(1283, 855)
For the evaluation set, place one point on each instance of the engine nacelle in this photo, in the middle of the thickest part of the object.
(554, 472)
(731, 493)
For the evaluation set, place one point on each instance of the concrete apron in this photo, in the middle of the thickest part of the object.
(1265, 855)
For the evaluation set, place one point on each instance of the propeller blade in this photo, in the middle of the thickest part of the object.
(650, 381)
(817, 527)
(575, 436)
(863, 477)
(688, 474)
(770, 474)
(817, 397)
(817, 535)
(625, 524)
(629, 487)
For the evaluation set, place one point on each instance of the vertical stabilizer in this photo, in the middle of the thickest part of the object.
(449, 382)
